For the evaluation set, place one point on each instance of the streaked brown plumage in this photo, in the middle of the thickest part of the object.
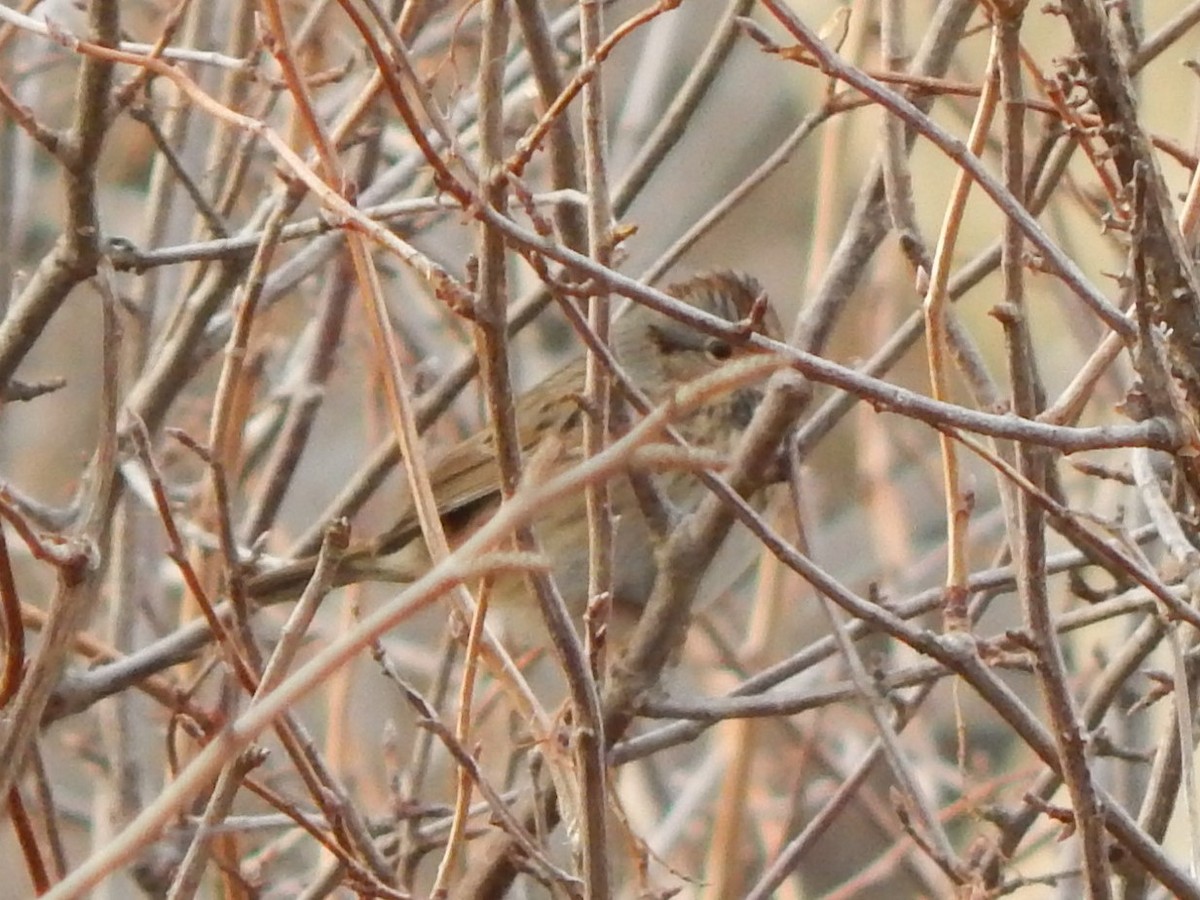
(659, 354)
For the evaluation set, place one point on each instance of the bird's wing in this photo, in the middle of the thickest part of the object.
(466, 479)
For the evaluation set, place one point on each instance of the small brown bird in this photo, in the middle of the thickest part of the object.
(659, 354)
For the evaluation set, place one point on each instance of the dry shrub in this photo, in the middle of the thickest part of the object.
(248, 249)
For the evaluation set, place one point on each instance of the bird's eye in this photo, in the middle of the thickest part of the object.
(719, 350)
